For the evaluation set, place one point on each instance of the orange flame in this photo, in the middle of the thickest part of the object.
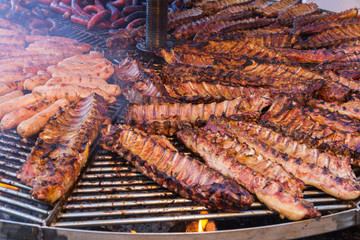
(202, 223)
(8, 186)
(132, 231)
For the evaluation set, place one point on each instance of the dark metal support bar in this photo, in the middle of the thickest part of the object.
(156, 24)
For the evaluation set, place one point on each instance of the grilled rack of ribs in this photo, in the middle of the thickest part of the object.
(166, 119)
(350, 30)
(288, 117)
(325, 17)
(287, 17)
(62, 149)
(159, 160)
(339, 166)
(268, 181)
(277, 8)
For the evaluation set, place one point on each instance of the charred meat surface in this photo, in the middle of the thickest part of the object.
(168, 118)
(288, 117)
(159, 160)
(234, 161)
(62, 149)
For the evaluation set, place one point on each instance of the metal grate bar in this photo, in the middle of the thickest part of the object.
(114, 183)
(8, 173)
(121, 196)
(131, 212)
(15, 184)
(21, 215)
(18, 194)
(127, 203)
(111, 175)
(23, 205)
(136, 203)
(107, 169)
(90, 223)
(116, 189)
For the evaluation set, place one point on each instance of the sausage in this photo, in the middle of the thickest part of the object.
(55, 94)
(133, 8)
(81, 91)
(40, 79)
(6, 87)
(34, 124)
(57, 8)
(11, 77)
(81, 57)
(97, 18)
(11, 95)
(115, 13)
(136, 23)
(118, 23)
(13, 118)
(76, 79)
(104, 73)
(17, 103)
(91, 9)
(76, 9)
(78, 69)
(35, 38)
(86, 63)
(110, 89)
(84, 20)
(118, 3)
(135, 15)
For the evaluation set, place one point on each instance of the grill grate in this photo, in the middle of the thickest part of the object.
(113, 192)
(110, 191)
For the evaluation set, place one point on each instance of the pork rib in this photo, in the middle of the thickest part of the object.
(288, 117)
(311, 174)
(159, 160)
(62, 149)
(168, 118)
(339, 166)
(269, 191)
(276, 8)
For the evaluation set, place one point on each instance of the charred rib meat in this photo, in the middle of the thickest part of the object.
(168, 118)
(158, 159)
(210, 145)
(333, 36)
(287, 17)
(276, 8)
(288, 117)
(62, 149)
(339, 166)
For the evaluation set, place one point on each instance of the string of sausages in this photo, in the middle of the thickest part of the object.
(113, 14)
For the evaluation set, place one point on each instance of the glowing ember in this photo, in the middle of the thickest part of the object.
(8, 186)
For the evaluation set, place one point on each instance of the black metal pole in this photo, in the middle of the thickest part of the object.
(156, 24)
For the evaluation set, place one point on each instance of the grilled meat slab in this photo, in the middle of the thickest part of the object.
(287, 17)
(145, 83)
(339, 166)
(309, 173)
(326, 17)
(288, 117)
(62, 149)
(277, 8)
(158, 159)
(236, 49)
(211, 91)
(350, 109)
(333, 36)
(168, 118)
(214, 149)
